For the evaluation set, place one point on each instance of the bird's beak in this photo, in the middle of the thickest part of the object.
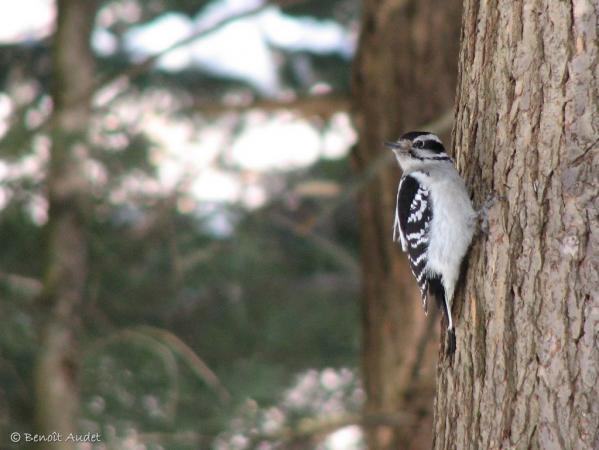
(400, 146)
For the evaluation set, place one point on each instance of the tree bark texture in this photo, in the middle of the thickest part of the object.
(525, 374)
(73, 74)
(404, 76)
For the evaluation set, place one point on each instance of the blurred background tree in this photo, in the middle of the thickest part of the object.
(180, 257)
(404, 79)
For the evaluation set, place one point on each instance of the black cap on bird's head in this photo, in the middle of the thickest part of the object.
(418, 146)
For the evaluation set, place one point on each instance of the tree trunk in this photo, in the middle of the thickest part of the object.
(404, 76)
(55, 377)
(525, 374)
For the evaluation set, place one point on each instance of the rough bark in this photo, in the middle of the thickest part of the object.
(73, 74)
(525, 374)
(404, 76)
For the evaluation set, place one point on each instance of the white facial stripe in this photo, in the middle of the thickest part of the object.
(428, 137)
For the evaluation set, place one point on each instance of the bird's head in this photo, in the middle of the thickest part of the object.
(416, 148)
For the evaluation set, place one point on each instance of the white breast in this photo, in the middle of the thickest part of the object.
(452, 226)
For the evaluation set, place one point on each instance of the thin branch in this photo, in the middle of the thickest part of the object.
(146, 64)
(165, 353)
(198, 256)
(188, 355)
(134, 71)
(27, 285)
(167, 344)
(335, 251)
(138, 69)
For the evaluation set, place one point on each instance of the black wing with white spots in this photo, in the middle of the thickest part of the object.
(413, 217)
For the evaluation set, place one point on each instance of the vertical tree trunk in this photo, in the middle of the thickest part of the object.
(56, 387)
(404, 76)
(525, 374)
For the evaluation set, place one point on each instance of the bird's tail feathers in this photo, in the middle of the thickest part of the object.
(451, 344)
(438, 291)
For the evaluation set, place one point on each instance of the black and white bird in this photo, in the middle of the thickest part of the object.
(434, 218)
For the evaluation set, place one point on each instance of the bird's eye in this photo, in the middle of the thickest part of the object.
(419, 144)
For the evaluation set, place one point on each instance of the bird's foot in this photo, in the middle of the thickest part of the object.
(483, 212)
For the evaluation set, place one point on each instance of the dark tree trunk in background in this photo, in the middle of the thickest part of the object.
(404, 77)
(73, 74)
(526, 371)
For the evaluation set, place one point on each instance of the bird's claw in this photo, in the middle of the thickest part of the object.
(483, 212)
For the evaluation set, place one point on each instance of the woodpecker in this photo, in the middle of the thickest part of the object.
(434, 218)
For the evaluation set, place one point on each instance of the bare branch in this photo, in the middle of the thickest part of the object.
(146, 64)
(27, 285)
(167, 343)
(195, 362)
(136, 70)
(338, 253)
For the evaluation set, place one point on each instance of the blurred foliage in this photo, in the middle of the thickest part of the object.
(260, 305)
